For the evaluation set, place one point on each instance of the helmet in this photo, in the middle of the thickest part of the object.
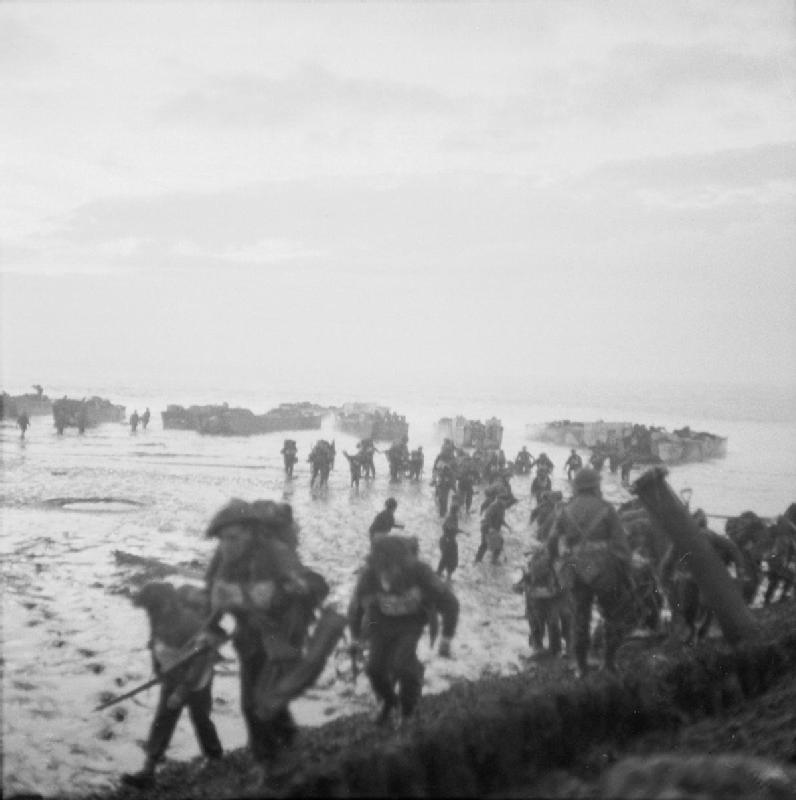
(586, 479)
(387, 551)
(234, 512)
(391, 503)
(156, 596)
(267, 514)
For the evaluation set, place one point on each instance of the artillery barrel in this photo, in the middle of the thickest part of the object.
(719, 590)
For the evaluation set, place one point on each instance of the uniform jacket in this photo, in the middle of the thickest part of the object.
(407, 605)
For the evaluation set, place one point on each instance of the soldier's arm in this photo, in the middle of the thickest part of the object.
(212, 568)
(617, 534)
(444, 599)
(356, 608)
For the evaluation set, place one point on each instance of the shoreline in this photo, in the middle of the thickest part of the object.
(497, 734)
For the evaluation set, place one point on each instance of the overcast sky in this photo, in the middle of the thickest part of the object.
(414, 189)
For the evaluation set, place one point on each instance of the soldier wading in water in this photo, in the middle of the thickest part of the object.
(589, 538)
(397, 594)
(256, 576)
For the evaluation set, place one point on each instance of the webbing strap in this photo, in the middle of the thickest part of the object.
(592, 527)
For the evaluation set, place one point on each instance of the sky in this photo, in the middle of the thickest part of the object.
(398, 191)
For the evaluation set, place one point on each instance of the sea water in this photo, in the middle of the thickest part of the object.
(69, 635)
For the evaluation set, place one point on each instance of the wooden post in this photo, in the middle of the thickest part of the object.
(720, 592)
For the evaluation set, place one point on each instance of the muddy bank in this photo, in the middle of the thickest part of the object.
(498, 734)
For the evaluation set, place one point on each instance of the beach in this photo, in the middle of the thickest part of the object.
(70, 633)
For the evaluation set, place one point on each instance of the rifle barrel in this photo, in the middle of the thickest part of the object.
(127, 695)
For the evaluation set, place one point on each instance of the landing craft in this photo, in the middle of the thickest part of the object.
(371, 421)
(646, 444)
(472, 432)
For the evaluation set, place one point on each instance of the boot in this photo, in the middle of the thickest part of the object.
(384, 716)
(144, 778)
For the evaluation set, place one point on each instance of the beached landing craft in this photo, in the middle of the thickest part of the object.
(472, 432)
(647, 444)
(225, 421)
(371, 421)
(85, 413)
(12, 406)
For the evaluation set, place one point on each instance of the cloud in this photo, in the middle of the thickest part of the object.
(245, 99)
(769, 168)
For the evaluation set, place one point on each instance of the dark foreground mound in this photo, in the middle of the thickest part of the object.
(545, 734)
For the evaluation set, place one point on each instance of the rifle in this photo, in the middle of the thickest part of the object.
(181, 662)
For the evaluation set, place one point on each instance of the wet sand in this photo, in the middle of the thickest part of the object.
(70, 634)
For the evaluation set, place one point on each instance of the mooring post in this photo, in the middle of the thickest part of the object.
(719, 590)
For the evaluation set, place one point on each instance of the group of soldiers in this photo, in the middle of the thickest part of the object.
(588, 551)
(401, 461)
(142, 419)
(257, 581)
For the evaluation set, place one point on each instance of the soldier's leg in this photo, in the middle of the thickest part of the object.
(535, 624)
(773, 584)
(262, 741)
(483, 546)
(553, 626)
(408, 671)
(617, 606)
(690, 607)
(583, 597)
(453, 557)
(200, 704)
(162, 726)
(379, 670)
(565, 616)
(705, 625)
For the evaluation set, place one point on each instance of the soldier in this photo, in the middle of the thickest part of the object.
(544, 462)
(597, 460)
(23, 422)
(175, 628)
(547, 604)
(573, 464)
(625, 467)
(523, 461)
(397, 457)
(781, 557)
(384, 521)
(544, 513)
(449, 547)
(320, 458)
(501, 487)
(289, 453)
(257, 577)
(445, 485)
(397, 594)
(416, 459)
(685, 598)
(493, 521)
(134, 421)
(355, 468)
(467, 473)
(540, 484)
(589, 537)
(753, 539)
(145, 417)
(366, 451)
